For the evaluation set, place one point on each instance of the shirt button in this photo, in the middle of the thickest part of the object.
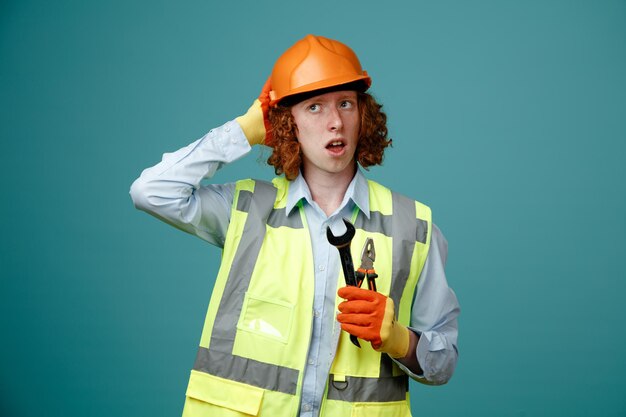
(311, 362)
(316, 313)
(227, 128)
(306, 407)
(321, 267)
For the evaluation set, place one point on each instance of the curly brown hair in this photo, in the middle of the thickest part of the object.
(286, 155)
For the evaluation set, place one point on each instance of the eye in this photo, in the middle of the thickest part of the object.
(346, 104)
(314, 108)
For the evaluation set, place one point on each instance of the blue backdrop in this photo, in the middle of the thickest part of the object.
(508, 119)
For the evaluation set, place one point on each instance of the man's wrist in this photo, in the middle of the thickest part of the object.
(398, 342)
(410, 359)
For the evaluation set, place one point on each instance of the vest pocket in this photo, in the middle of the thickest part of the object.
(208, 395)
(390, 409)
(334, 408)
(266, 317)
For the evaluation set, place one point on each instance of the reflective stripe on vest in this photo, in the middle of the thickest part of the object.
(218, 360)
(263, 210)
(358, 390)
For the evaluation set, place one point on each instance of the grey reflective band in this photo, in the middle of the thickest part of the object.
(381, 223)
(218, 359)
(404, 232)
(247, 371)
(377, 223)
(422, 231)
(243, 201)
(279, 218)
(357, 389)
(403, 243)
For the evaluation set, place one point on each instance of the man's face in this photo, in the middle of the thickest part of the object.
(328, 132)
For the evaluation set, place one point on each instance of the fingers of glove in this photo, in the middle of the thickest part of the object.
(356, 293)
(252, 124)
(358, 306)
(361, 332)
(363, 320)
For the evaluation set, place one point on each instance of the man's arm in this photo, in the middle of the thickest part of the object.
(171, 189)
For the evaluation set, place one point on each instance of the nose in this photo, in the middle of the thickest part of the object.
(335, 122)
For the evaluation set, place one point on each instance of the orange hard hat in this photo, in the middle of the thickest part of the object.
(315, 63)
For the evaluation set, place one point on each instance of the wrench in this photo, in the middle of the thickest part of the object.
(342, 243)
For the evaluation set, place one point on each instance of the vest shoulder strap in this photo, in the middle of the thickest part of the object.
(249, 185)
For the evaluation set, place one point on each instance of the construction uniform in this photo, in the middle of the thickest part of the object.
(171, 191)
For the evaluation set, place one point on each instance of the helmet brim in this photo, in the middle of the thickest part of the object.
(360, 83)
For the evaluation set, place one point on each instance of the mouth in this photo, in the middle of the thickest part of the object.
(336, 146)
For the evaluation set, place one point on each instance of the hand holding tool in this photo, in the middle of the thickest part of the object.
(370, 316)
(342, 243)
(255, 123)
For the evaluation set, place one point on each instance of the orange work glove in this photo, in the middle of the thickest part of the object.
(370, 316)
(255, 123)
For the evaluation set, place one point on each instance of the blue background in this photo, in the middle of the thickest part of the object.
(508, 119)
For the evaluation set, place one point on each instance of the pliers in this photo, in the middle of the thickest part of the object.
(366, 270)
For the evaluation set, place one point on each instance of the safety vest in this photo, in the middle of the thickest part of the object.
(256, 336)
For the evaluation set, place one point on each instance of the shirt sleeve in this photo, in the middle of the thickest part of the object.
(434, 317)
(171, 190)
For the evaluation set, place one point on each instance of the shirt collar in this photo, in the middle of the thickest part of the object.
(357, 192)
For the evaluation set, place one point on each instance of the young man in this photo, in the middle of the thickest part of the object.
(272, 343)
